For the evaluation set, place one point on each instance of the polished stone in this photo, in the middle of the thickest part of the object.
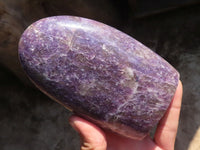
(98, 72)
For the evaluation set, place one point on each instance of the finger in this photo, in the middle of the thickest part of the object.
(93, 138)
(167, 128)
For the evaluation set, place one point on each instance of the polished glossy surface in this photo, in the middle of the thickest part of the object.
(98, 72)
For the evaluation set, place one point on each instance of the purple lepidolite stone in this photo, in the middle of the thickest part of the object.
(98, 72)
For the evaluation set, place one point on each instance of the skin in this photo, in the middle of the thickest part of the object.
(94, 138)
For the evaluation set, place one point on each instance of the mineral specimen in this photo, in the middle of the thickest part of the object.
(99, 73)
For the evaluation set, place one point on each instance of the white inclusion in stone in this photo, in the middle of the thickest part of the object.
(130, 82)
(162, 66)
(106, 49)
(75, 75)
(24, 41)
(129, 72)
(50, 27)
(63, 55)
(35, 30)
(51, 38)
(32, 48)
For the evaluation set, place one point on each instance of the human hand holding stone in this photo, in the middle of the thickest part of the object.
(93, 138)
(104, 76)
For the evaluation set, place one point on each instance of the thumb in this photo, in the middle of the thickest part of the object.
(92, 137)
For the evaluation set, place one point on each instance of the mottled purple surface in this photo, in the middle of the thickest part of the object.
(98, 72)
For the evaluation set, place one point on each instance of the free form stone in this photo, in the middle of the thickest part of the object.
(100, 73)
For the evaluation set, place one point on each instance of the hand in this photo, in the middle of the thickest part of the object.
(93, 138)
